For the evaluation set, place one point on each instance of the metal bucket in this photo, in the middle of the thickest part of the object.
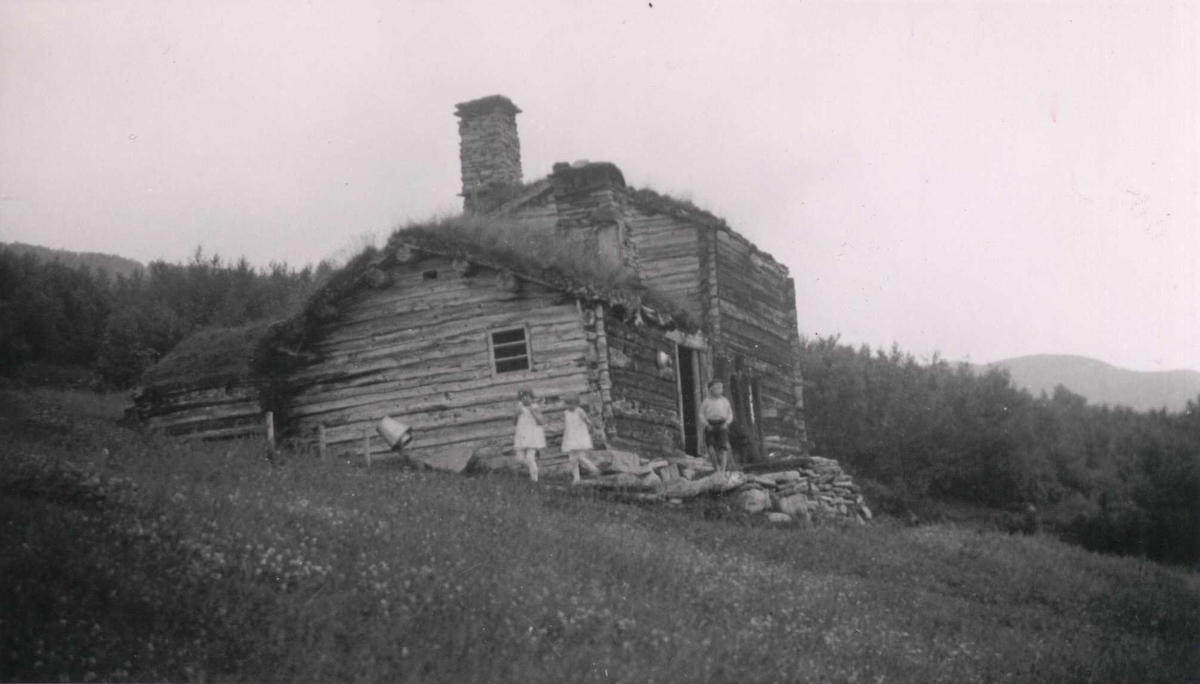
(395, 433)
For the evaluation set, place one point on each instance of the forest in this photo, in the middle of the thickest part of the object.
(1111, 479)
(914, 432)
(86, 326)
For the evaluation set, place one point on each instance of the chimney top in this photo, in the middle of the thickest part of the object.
(485, 105)
(585, 175)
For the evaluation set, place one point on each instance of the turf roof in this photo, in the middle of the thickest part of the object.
(210, 357)
(213, 357)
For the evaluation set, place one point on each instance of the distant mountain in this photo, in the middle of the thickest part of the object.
(110, 262)
(1101, 383)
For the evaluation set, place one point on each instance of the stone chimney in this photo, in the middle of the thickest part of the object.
(589, 204)
(489, 149)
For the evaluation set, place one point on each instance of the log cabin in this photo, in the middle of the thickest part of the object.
(574, 283)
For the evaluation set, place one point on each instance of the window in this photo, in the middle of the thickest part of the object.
(510, 350)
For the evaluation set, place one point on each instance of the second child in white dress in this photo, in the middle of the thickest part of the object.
(530, 434)
(577, 437)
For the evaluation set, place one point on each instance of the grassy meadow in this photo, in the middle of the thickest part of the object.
(131, 558)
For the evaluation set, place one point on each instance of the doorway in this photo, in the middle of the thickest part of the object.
(687, 363)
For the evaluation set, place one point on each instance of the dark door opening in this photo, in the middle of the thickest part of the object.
(687, 398)
(746, 399)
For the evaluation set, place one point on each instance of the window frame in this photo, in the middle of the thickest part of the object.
(491, 343)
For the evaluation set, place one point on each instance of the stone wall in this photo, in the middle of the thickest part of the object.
(804, 490)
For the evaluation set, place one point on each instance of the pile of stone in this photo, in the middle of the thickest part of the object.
(801, 489)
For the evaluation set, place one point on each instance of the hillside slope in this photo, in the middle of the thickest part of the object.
(115, 265)
(1101, 383)
(130, 558)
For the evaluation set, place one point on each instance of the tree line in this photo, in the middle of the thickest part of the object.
(55, 316)
(1111, 478)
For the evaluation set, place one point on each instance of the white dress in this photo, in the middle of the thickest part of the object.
(529, 435)
(576, 436)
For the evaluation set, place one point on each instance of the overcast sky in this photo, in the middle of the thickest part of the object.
(977, 179)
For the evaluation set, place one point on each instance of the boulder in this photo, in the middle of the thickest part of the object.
(656, 464)
(794, 504)
(785, 477)
(651, 479)
(761, 480)
(671, 472)
(509, 463)
(779, 518)
(452, 459)
(792, 488)
(617, 481)
(866, 512)
(753, 500)
(715, 483)
(685, 461)
(610, 461)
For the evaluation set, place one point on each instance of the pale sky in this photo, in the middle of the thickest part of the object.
(982, 180)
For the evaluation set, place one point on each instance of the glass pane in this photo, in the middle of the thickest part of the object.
(508, 336)
(509, 350)
(510, 365)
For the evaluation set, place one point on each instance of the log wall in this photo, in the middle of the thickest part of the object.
(669, 254)
(539, 212)
(417, 350)
(757, 336)
(226, 412)
(645, 397)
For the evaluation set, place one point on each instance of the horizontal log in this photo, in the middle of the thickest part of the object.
(240, 432)
(411, 375)
(447, 320)
(416, 373)
(751, 325)
(219, 428)
(471, 341)
(232, 410)
(154, 409)
(544, 339)
(434, 295)
(484, 389)
(675, 253)
(756, 346)
(640, 219)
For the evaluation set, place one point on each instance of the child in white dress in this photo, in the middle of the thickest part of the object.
(530, 434)
(577, 437)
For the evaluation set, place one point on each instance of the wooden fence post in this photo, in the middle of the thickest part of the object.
(271, 429)
(321, 438)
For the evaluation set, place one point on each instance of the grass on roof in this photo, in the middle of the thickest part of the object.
(540, 252)
(667, 204)
(219, 356)
(208, 357)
